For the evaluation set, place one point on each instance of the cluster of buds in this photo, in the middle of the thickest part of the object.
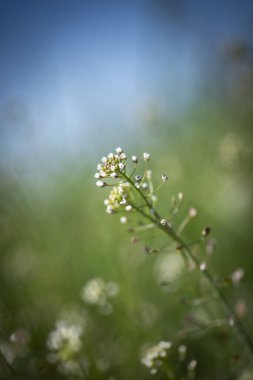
(111, 166)
(122, 196)
(118, 198)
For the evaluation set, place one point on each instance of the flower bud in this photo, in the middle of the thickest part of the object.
(146, 156)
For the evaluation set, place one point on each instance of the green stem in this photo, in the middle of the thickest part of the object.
(242, 334)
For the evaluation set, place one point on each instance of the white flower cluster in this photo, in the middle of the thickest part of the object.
(118, 198)
(154, 356)
(112, 166)
(65, 344)
(98, 292)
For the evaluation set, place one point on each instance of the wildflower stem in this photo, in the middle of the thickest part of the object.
(242, 334)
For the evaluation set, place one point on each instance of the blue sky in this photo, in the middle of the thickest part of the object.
(77, 74)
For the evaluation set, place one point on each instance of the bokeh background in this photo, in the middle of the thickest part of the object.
(174, 78)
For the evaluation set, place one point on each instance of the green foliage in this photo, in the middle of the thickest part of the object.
(57, 238)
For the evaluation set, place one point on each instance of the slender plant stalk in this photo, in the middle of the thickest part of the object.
(155, 218)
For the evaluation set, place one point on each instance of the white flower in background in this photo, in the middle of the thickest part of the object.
(168, 268)
(155, 354)
(65, 344)
(98, 292)
(237, 275)
(135, 159)
(65, 337)
(94, 292)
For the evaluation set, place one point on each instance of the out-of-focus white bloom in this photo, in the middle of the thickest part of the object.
(129, 208)
(65, 337)
(237, 275)
(164, 222)
(168, 268)
(123, 219)
(192, 365)
(192, 212)
(135, 159)
(94, 291)
(154, 355)
(202, 266)
(65, 344)
(180, 196)
(182, 351)
(98, 292)
(146, 156)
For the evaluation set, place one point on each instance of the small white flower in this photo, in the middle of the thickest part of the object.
(180, 196)
(106, 202)
(144, 186)
(100, 184)
(129, 208)
(110, 155)
(123, 202)
(97, 175)
(121, 166)
(164, 222)
(182, 352)
(154, 198)
(165, 345)
(123, 219)
(135, 159)
(146, 156)
(123, 156)
(202, 266)
(237, 275)
(109, 209)
(114, 175)
(192, 212)
(119, 150)
(192, 365)
(104, 160)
